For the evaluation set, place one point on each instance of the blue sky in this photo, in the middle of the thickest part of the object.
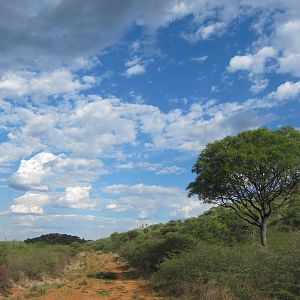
(105, 105)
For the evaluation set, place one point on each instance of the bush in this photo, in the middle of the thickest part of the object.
(147, 254)
(244, 271)
(32, 261)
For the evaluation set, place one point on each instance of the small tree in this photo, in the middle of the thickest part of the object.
(254, 173)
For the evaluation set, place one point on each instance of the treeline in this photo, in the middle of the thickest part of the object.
(55, 238)
(215, 256)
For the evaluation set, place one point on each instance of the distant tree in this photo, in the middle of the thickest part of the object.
(132, 234)
(254, 173)
(55, 238)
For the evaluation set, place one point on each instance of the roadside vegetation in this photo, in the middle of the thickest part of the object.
(215, 256)
(20, 262)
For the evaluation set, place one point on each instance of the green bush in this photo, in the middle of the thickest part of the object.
(32, 261)
(245, 271)
(146, 255)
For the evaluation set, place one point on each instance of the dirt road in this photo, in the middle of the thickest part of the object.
(86, 285)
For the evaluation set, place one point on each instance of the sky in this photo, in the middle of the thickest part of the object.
(105, 105)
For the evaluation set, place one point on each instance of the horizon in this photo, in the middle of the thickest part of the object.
(106, 105)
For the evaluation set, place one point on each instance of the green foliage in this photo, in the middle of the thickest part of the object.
(147, 254)
(215, 256)
(32, 261)
(247, 271)
(254, 173)
(289, 218)
(56, 238)
(218, 226)
(257, 155)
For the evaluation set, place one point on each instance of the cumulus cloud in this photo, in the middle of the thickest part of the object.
(46, 171)
(77, 197)
(254, 63)
(96, 128)
(32, 173)
(135, 70)
(287, 90)
(287, 40)
(29, 203)
(42, 85)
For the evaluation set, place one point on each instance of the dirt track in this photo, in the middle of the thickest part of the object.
(84, 288)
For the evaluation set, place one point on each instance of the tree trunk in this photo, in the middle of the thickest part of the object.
(263, 233)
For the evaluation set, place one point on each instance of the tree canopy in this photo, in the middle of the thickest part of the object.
(254, 173)
(55, 238)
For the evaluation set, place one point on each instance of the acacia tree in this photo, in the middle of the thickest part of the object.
(254, 173)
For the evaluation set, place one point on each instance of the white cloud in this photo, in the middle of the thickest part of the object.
(77, 197)
(30, 220)
(152, 167)
(200, 59)
(135, 70)
(258, 85)
(191, 131)
(29, 203)
(32, 173)
(254, 63)
(99, 128)
(92, 128)
(149, 200)
(26, 209)
(111, 206)
(191, 208)
(286, 91)
(46, 171)
(41, 85)
(135, 66)
(205, 32)
(289, 63)
(287, 39)
(139, 189)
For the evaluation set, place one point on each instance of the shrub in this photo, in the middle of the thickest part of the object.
(246, 271)
(147, 254)
(32, 261)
